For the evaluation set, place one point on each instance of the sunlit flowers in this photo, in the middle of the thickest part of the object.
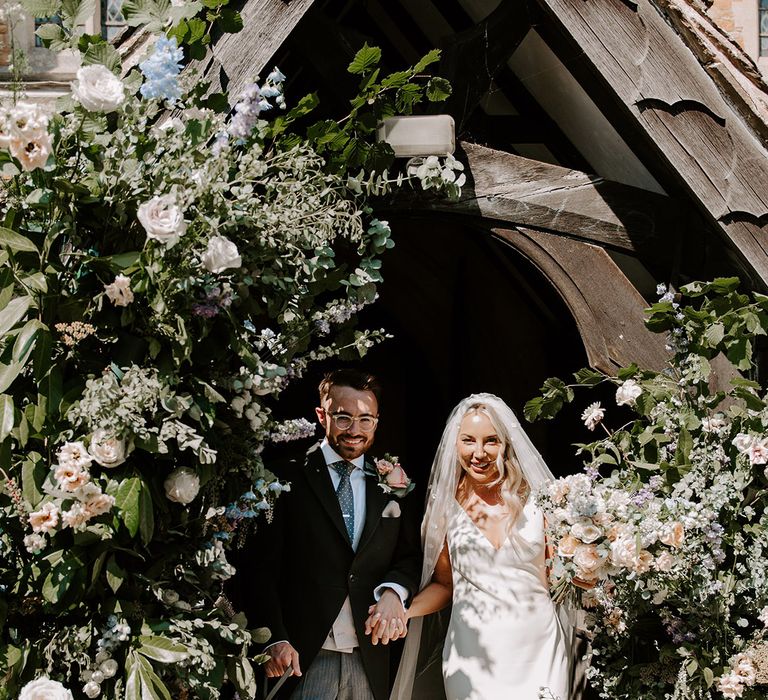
(44, 520)
(119, 292)
(162, 219)
(98, 89)
(593, 415)
(220, 255)
(628, 392)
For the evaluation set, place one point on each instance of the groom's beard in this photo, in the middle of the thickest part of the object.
(351, 445)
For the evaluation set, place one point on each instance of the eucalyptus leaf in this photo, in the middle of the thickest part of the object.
(7, 413)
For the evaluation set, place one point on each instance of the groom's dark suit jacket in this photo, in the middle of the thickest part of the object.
(303, 566)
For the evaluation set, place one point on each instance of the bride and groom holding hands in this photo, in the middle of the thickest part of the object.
(343, 570)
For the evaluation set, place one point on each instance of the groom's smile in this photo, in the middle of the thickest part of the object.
(349, 418)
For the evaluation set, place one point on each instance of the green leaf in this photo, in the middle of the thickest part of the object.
(365, 59)
(146, 516)
(588, 377)
(15, 241)
(115, 574)
(127, 501)
(103, 54)
(196, 28)
(41, 8)
(64, 574)
(53, 36)
(25, 340)
(13, 313)
(428, 59)
(162, 649)
(152, 13)
(240, 672)
(7, 413)
(8, 374)
(684, 446)
(709, 677)
(33, 473)
(74, 13)
(438, 89)
(142, 683)
(714, 334)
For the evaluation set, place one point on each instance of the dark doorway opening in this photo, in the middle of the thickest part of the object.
(468, 314)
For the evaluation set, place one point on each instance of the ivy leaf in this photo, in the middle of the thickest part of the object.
(365, 59)
(438, 90)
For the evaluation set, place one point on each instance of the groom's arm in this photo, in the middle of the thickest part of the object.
(405, 569)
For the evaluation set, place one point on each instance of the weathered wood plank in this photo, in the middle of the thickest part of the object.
(608, 310)
(519, 191)
(237, 59)
(678, 108)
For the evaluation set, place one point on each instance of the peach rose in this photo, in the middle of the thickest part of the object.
(567, 546)
(586, 531)
(397, 478)
(70, 477)
(673, 534)
(588, 560)
(643, 562)
(384, 467)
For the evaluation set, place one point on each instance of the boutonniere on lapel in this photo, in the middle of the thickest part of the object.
(392, 477)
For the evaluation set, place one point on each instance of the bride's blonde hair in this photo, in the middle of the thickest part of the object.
(514, 488)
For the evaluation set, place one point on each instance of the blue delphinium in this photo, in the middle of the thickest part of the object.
(161, 71)
(254, 100)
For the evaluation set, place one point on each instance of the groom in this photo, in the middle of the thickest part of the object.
(337, 544)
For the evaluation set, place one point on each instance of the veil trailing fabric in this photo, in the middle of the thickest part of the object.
(441, 491)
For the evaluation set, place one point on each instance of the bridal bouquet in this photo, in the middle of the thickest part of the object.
(163, 276)
(668, 521)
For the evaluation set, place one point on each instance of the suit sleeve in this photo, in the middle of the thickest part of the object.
(259, 567)
(407, 559)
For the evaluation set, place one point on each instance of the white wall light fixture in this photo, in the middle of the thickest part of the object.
(412, 136)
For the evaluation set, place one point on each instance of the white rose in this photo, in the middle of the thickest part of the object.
(628, 392)
(742, 442)
(221, 254)
(108, 668)
(107, 450)
(586, 531)
(26, 120)
(182, 486)
(98, 89)
(92, 690)
(162, 219)
(119, 292)
(593, 415)
(44, 689)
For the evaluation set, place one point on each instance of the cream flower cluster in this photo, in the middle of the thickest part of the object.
(602, 530)
(743, 673)
(755, 447)
(76, 498)
(24, 133)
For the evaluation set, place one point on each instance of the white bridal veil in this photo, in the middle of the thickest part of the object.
(443, 482)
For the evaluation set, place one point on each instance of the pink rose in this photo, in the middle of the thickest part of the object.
(397, 478)
(673, 535)
(567, 546)
(384, 467)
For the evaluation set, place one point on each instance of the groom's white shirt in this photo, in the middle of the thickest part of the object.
(342, 636)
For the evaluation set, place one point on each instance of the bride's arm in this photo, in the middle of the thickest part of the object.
(437, 595)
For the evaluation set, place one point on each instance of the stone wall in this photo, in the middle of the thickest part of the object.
(740, 19)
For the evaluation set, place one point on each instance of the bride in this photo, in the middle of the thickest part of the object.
(484, 552)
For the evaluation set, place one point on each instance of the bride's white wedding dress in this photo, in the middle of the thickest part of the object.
(504, 640)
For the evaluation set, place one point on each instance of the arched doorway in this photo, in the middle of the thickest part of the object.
(468, 313)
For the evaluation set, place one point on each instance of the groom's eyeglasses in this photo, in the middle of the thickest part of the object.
(344, 421)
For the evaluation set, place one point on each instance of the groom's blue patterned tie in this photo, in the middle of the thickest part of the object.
(344, 494)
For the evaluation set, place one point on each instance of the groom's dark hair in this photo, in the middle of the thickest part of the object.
(353, 378)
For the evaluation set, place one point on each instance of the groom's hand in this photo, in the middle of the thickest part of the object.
(282, 655)
(386, 621)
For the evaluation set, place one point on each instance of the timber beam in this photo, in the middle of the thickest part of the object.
(510, 189)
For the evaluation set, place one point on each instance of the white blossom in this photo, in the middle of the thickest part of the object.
(119, 292)
(628, 393)
(98, 89)
(182, 486)
(220, 255)
(593, 415)
(162, 219)
(44, 689)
